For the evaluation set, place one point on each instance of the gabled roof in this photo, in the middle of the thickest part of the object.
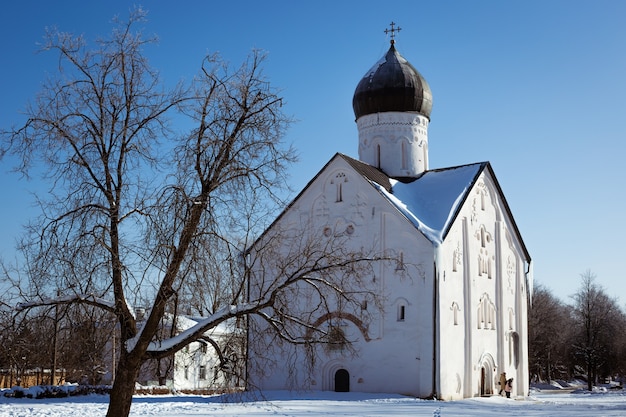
(431, 201)
(369, 172)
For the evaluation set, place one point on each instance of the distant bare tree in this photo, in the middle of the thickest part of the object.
(614, 363)
(141, 214)
(594, 317)
(26, 344)
(547, 335)
(84, 345)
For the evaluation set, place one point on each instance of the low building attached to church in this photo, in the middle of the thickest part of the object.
(453, 307)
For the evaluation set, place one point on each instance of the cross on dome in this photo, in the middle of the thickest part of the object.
(393, 31)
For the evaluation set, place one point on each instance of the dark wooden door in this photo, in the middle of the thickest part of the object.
(342, 381)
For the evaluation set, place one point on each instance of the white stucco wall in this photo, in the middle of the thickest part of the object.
(398, 357)
(481, 276)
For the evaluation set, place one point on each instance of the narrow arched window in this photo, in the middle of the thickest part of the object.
(404, 155)
(400, 262)
(401, 312)
(515, 338)
(455, 313)
(338, 181)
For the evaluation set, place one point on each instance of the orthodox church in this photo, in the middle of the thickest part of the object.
(455, 303)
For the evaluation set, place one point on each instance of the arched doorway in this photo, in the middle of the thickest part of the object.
(342, 381)
(514, 350)
(487, 368)
(482, 381)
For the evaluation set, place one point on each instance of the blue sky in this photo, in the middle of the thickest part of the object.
(536, 87)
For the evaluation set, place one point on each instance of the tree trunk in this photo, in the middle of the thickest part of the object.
(121, 396)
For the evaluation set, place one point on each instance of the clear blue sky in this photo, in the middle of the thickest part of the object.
(536, 87)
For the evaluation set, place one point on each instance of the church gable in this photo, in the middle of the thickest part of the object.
(481, 266)
(486, 203)
(339, 201)
(485, 224)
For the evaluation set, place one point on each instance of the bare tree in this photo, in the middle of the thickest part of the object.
(137, 211)
(547, 336)
(594, 314)
(83, 346)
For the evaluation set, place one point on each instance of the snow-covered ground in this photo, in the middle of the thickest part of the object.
(292, 404)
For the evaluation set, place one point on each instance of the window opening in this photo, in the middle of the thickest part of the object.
(401, 312)
(400, 262)
(455, 313)
(404, 155)
(339, 179)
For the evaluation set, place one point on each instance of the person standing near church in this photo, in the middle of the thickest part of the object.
(502, 382)
(508, 388)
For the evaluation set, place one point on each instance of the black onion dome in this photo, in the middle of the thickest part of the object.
(393, 84)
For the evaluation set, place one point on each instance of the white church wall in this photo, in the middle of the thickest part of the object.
(399, 359)
(410, 336)
(484, 276)
(515, 310)
(513, 307)
(452, 330)
(395, 352)
(478, 280)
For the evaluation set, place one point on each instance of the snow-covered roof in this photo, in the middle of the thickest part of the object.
(224, 328)
(432, 200)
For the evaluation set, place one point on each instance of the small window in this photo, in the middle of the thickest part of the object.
(404, 155)
(455, 257)
(515, 338)
(400, 262)
(455, 313)
(338, 181)
(401, 312)
(186, 372)
(203, 348)
(202, 372)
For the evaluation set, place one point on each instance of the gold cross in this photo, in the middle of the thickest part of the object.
(393, 31)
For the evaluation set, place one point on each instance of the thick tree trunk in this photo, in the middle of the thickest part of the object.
(121, 396)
